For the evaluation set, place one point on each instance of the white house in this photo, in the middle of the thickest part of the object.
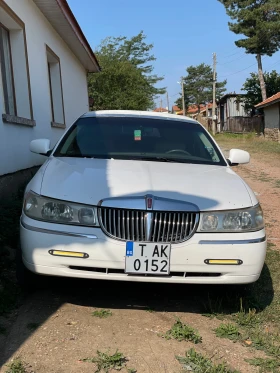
(44, 58)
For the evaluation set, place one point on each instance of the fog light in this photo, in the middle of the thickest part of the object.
(71, 254)
(236, 262)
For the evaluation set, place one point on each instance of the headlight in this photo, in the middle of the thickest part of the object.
(55, 211)
(246, 220)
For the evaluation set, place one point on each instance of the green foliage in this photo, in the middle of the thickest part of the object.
(107, 362)
(102, 314)
(198, 85)
(266, 365)
(253, 89)
(197, 363)
(228, 331)
(258, 21)
(247, 319)
(16, 366)
(183, 332)
(127, 81)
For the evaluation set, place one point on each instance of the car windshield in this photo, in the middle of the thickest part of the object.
(140, 138)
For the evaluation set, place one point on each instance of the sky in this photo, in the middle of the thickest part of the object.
(183, 32)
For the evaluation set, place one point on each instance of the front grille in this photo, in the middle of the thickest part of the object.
(147, 226)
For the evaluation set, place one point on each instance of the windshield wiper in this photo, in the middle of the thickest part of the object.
(162, 159)
(84, 156)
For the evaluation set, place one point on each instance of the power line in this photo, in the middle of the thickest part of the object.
(237, 72)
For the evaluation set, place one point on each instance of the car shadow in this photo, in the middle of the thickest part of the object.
(44, 303)
(207, 300)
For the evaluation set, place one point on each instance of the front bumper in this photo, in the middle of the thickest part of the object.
(106, 256)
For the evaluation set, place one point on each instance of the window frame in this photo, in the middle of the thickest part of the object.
(14, 119)
(3, 72)
(53, 122)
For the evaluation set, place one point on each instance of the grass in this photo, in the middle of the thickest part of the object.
(248, 142)
(196, 362)
(102, 314)
(182, 332)
(254, 310)
(106, 362)
(16, 366)
(33, 326)
(229, 331)
(265, 365)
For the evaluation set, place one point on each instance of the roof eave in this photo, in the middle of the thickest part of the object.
(261, 106)
(60, 16)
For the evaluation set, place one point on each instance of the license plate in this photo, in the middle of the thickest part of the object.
(147, 258)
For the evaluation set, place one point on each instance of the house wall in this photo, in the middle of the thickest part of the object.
(272, 122)
(15, 138)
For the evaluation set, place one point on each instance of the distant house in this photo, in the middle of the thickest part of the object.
(271, 108)
(231, 106)
(44, 62)
(175, 109)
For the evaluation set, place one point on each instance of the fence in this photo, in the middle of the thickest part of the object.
(243, 124)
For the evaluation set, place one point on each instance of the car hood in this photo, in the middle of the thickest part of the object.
(89, 181)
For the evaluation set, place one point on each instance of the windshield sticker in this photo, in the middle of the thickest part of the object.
(137, 135)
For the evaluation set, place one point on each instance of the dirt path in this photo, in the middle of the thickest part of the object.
(67, 332)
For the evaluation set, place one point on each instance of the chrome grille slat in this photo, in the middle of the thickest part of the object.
(130, 225)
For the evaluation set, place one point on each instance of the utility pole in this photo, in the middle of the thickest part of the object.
(161, 105)
(183, 98)
(214, 93)
(167, 100)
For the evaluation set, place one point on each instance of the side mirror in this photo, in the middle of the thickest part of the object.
(41, 146)
(237, 157)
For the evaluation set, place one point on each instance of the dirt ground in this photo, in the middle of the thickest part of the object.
(67, 332)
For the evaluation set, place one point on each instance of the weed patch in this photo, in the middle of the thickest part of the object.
(182, 332)
(16, 366)
(228, 331)
(102, 314)
(106, 362)
(196, 362)
(266, 365)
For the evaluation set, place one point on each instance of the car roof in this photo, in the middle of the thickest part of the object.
(134, 113)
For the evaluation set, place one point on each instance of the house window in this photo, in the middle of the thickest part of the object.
(7, 72)
(56, 93)
(15, 88)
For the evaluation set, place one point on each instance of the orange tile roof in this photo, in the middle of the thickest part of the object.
(176, 108)
(194, 109)
(270, 100)
(160, 110)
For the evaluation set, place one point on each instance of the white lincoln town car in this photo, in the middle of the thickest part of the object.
(140, 196)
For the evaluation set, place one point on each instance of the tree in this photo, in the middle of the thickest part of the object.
(253, 89)
(198, 86)
(259, 22)
(126, 81)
